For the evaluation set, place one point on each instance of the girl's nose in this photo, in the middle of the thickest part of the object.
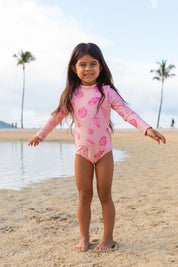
(88, 67)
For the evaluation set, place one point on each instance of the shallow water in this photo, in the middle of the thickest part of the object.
(21, 164)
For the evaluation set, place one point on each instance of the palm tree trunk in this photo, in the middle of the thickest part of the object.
(161, 101)
(23, 96)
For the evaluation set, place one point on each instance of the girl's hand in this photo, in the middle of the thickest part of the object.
(155, 135)
(34, 141)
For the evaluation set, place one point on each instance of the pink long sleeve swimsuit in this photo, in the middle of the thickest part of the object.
(92, 136)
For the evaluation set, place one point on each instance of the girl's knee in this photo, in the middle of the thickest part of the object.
(104, 197)
(85, 197)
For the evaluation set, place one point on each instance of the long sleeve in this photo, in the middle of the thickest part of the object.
(126, 113)
(50, 124)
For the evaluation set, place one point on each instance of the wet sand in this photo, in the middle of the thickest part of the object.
(39, 227)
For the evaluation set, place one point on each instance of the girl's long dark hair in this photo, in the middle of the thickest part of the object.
(73, 82)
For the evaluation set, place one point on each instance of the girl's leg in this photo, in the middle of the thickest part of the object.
(104, 175)
(84, 180)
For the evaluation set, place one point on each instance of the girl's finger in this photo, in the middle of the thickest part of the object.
(160, 137)
(157, 139)
(163, 139)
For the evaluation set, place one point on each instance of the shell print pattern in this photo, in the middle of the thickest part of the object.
(133, 122)
(121, 114)
(83, 147)
(93, 101)
(78, 94)
(98, 154)
(51, 122)
(82, 112)
(103, 141)
(77, 135)
(97, 122)
(90, 131)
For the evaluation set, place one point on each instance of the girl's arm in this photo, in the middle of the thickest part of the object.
(50, 124)
(126, 113)
(132, 117)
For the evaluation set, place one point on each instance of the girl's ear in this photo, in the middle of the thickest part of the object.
(101, 68)
(73, 68)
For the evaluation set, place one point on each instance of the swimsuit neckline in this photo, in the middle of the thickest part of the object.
(88, 87)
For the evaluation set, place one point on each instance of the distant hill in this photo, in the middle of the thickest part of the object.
(4, 125)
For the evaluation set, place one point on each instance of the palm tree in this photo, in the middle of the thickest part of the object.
(22, 59)
(161, 74)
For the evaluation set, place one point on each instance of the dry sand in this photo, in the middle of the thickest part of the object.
(39, 227)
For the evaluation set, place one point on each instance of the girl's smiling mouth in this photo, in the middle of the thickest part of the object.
(88, 75)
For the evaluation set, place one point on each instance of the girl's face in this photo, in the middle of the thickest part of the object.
(87, 69)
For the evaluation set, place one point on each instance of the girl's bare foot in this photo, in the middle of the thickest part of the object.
(82, 245)
(105, 245)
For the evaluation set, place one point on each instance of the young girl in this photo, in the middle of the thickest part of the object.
(88, 98)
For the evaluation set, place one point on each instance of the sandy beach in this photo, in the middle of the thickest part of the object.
(39, 227)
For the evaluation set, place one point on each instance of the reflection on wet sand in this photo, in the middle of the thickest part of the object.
(21, 164)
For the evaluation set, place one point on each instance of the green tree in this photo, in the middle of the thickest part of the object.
(22, 59)
(161, 74)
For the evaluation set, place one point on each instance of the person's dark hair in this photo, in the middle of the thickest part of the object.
(73, 82)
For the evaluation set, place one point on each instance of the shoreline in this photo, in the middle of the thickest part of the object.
(65, 134)
(39, 226)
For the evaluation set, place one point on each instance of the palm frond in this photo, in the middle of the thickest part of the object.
(156, 78)
(163, 72)
(24, 57)
(19, 62)
(172, 75)
(170, 67)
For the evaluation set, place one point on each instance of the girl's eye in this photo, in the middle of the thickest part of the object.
(83, 65)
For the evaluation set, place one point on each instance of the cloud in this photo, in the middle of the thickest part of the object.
(50, 36)
(154, 4)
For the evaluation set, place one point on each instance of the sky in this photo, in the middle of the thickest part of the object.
(133, 36)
